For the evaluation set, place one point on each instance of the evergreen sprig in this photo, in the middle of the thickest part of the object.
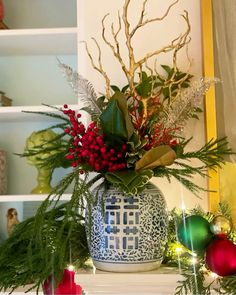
(211, 154)
(25, 261)
(193, 283)
(227, 285)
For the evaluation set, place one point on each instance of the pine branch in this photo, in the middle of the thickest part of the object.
(227, 285)
(48, 114)
(193, 283)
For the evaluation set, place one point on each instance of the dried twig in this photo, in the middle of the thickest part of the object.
(99, 67)
(130, 69)
(142, 23)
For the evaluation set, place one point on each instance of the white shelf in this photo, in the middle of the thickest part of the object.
(30, 198)
(15, 114)
(156, 282)
(54, 41)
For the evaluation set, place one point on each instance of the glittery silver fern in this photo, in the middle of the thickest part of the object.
(185, 104)
(83, 89)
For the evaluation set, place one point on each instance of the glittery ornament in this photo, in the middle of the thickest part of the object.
(221, 257)
(194, 233)
(221, 226)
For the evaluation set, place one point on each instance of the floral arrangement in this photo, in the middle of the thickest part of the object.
(135, 133)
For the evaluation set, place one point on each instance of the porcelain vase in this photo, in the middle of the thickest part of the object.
(130, 233)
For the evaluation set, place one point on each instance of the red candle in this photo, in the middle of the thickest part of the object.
(1, 10)
(66, 286)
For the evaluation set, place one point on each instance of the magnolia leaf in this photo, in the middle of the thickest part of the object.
(112, 120)
(160, 156)
(122, 103)
(129, 181)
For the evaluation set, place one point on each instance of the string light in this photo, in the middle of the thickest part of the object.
(194, 260)
(178, 249)
(70, 267)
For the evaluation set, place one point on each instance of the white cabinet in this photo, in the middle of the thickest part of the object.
(40, 32)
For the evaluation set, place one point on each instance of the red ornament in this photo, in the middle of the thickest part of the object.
(1, 10)
(67, 286)
(221, 257)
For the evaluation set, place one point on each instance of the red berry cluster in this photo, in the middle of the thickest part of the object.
(89, 149)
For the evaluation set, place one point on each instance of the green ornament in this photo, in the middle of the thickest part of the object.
(194, 233)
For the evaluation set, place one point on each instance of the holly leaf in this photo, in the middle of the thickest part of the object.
(129, 181)
(144, 88)
(160, 156)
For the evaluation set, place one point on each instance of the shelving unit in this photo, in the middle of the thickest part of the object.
(30, 198)
(29, 75)
(38, 41)
(21, 113)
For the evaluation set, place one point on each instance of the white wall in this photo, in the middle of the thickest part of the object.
(152, 37)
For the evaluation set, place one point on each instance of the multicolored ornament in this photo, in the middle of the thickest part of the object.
(221, 226)
(221, 257)
(194, 233)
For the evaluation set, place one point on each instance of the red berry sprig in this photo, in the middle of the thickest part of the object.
(89, 149)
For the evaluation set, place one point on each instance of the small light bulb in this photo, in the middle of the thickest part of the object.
(178, 249)
(194, 260)
(94, 270)
(70, 268)
(214, 275)
(183, 207)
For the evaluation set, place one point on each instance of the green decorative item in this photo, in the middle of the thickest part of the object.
(46, 139)
(194, 233)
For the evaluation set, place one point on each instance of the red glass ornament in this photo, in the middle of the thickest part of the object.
(221, 257)
(1, 10)
(67, 286)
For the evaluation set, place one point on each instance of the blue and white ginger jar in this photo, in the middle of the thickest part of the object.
(131, 234)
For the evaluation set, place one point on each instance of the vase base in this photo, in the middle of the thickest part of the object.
(127, 267)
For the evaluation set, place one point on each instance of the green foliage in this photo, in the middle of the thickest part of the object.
(26, 258)
(57, 147)
(129, 181)
(173, 81)
(112, 121)
(193, 283)
(211, 155)
(144, 88)
(168, 85)
(227, 285)
(115, 120)
(135, 150)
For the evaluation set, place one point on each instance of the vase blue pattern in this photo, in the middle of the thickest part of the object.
(132, 232)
